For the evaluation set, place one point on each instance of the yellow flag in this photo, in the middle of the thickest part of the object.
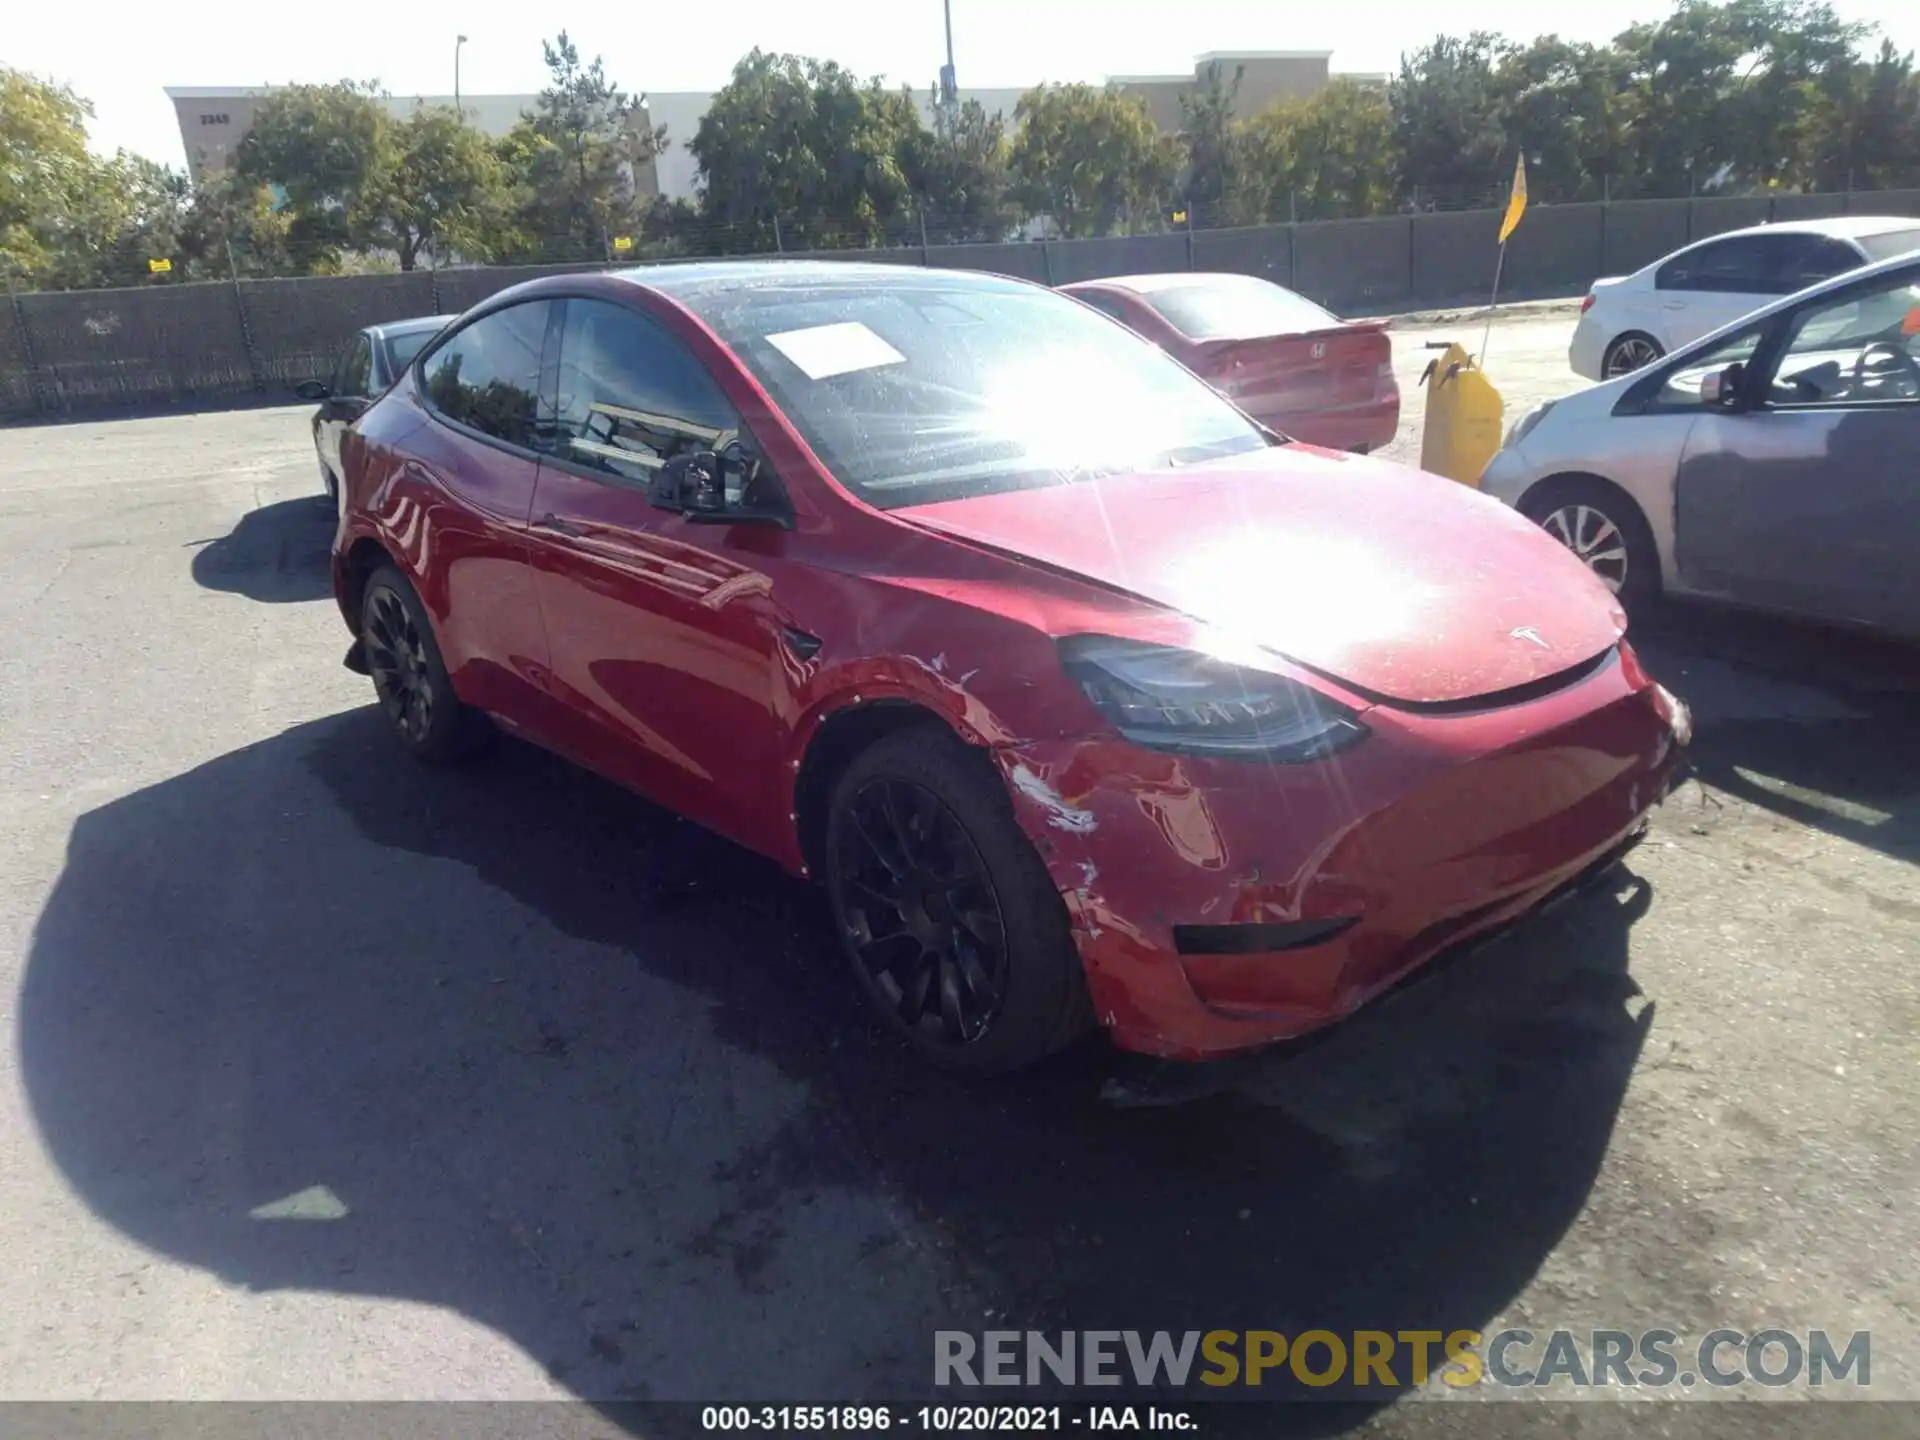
(1517, 202)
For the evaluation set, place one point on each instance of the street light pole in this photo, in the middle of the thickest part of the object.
(458, 41)
(949, 85)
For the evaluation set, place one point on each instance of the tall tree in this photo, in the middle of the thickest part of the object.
(327, 148)
(958, 172)
(1212, 176)
(442, 190)
(1447, 120)
(1559, 103)
(800, 151)
(1091, 159)
(1329, 156)
(579, 153)
(1862, 128)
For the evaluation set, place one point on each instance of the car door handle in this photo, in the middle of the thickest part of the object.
(554, 523)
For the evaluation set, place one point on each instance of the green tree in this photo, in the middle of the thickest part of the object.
(1560, 104)
(958, 171)
(1330, 156)
(803, 142)
(1862, 129)
(69, 218)
(442, 190)
(329, 149)
(576, 157)
(1090, 158)
(1447, 120)
(1213, 177)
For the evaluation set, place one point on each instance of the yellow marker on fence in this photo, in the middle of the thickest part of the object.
(622, 244)
(161, 266)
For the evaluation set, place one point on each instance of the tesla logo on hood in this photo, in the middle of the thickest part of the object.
(1527, 632)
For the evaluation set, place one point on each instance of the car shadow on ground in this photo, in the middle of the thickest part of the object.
(1818, 726)
(277, 554)
(507, 1040)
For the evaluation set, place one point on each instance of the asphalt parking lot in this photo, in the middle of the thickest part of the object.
(328, 1075)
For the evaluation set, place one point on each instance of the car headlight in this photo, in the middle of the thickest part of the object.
(1172, 699)
(1524, 425)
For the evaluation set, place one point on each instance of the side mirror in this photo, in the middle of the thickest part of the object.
(313, 390)
(1724, 389)
(695, 484)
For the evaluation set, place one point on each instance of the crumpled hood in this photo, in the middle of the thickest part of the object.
(1402, 584)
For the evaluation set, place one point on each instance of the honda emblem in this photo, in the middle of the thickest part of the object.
(1319, 349)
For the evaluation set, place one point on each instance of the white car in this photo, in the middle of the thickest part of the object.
(1632, 320)
(1773, 465)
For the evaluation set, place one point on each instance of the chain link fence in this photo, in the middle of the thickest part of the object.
(220, 342)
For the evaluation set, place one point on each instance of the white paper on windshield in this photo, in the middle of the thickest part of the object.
(822, 351)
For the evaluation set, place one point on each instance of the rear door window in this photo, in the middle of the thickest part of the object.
(486, 376)
(1731, 267)
(1892, 243)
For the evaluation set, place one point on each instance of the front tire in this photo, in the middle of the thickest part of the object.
(954, 930)
(409, 677)
(1606, 532)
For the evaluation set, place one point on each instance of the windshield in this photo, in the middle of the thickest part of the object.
(941, 388)
(1892, 243)
(1236, 307)
(407, 344)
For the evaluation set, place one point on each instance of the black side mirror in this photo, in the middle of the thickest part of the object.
(1725, 389)
(313, 390)
(695, 484)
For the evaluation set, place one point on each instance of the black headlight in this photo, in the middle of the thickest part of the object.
(1172, 699)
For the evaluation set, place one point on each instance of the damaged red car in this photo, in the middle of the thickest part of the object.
(1087, 701)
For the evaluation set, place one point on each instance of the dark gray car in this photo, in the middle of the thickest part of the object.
(368, 364)
(1773, 464)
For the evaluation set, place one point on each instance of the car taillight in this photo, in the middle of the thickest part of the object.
(1586, 304)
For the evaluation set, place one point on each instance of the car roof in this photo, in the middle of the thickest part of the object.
(698, 278)
(1165, 280)
(1838, 227)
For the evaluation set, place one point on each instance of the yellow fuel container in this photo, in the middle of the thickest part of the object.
(1464, 414)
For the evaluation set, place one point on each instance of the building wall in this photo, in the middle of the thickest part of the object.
(214, 118)
(1266, 77)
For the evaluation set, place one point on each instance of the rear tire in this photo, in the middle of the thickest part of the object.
(1603, 527)
(1627, 353)
(952, 926)
(409, 677)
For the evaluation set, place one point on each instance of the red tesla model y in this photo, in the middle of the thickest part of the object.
(1087, 701)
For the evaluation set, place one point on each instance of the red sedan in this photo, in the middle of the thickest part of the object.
(1086, 701)
(1289, 364)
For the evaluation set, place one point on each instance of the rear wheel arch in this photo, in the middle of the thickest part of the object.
(1625, 337)
(363, 559)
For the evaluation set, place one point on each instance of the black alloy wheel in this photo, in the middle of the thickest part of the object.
(950, 921)
(409, 677)
(921, 912)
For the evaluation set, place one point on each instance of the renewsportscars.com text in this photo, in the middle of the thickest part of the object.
(1374, 1360)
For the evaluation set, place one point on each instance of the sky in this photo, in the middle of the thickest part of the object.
(692, 44)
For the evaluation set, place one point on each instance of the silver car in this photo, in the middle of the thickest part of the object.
(1773, 464)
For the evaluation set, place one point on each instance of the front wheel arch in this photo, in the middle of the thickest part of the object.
(1644, 579)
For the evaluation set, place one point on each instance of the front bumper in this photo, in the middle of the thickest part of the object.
(1433, 830)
